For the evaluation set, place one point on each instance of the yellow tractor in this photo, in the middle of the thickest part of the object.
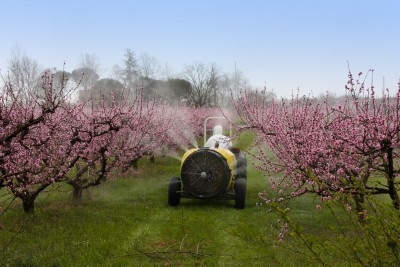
(217, 170)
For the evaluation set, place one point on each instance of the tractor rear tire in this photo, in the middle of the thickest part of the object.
(174, 188)
(241, 165)
(240, 187)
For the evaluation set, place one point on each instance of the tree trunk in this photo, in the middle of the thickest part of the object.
(77, 192)
(393, 194)
(391, 180)
(134, 164)
(28, 204)
(360, 207)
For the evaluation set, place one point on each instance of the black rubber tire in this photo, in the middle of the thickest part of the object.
(241, 165)
(240, 187)
(174, 188)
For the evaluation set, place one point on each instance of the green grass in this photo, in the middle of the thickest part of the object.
(127, 222)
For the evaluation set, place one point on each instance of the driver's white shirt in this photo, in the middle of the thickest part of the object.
(224, 141)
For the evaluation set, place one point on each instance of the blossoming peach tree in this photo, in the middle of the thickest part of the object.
(114, 137)
(327, 150)
(44, 139)
(345, 153)
(33, 148)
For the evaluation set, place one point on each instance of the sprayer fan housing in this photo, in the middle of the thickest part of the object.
(205, 173)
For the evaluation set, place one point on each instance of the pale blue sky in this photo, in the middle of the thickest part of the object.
(283, 44)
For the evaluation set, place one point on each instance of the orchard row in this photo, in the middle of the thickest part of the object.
(349, 148)
(45, 139)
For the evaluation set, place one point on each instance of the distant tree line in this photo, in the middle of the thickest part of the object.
(198, 85)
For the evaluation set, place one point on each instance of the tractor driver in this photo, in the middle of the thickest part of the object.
(218, 139)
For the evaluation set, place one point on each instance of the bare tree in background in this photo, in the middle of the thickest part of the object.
(87, 74)
(205, 81)
(130, 71)
(231, 84)
(61, 78)
(166, 72)
(86, 77)
(239, 82)
(90, 61)
(226, 88)
(116, 72)
(148, 66)
(24, 74)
